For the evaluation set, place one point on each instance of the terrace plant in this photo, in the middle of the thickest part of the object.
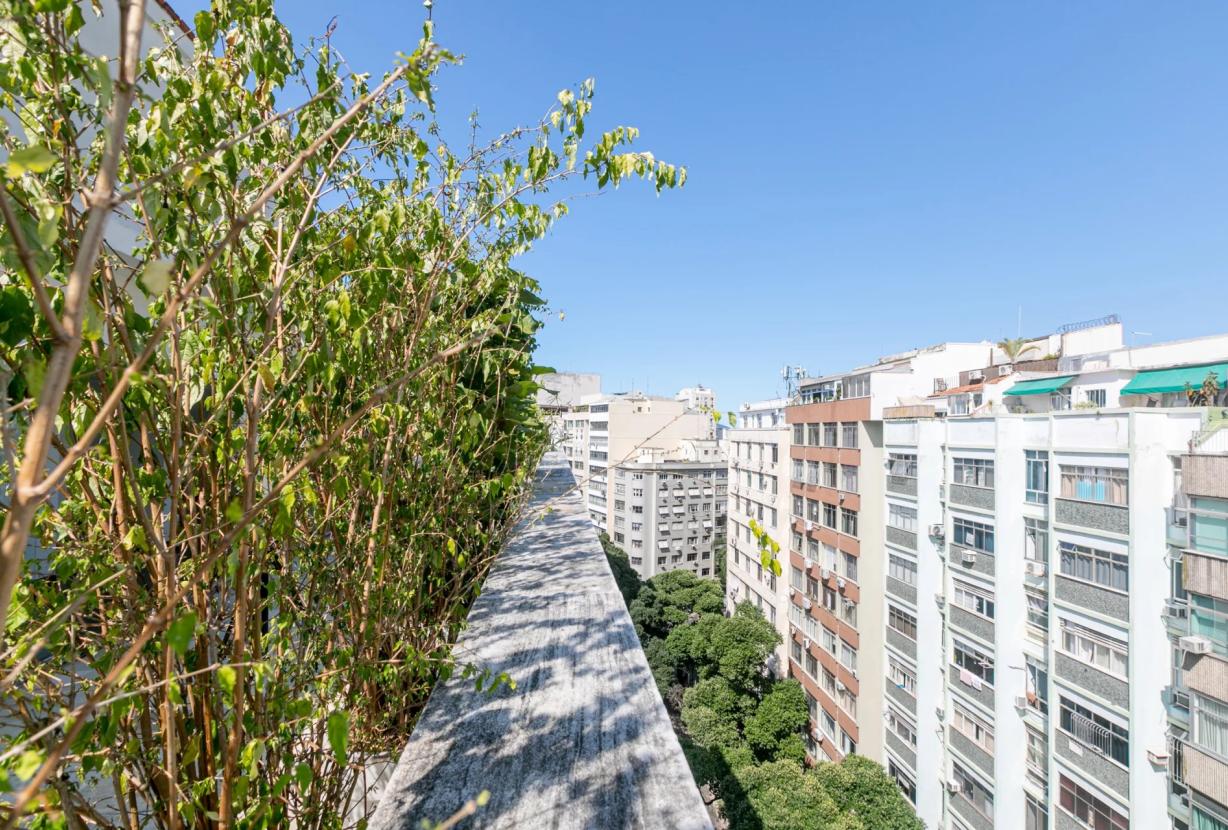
(258, 461)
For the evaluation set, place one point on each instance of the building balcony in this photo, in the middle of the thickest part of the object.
(551, 617)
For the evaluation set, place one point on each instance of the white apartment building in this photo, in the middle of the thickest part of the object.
(668, 508)
(697, 397)
(837, 562)
(758, 450)
(600, 431)
(559, 393)
(1029, 580)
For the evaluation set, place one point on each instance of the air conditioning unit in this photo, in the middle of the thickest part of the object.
(809, 563)
(809, 526)
(938, 531)
(976, 374)
(806, 603)
(840, 687)
(968, 558)
(821, 738)
(940, 600)
(1005, 370)
(824, 574)
(792, 592)
(1021, 702)
(1034, 568)
(840, 583)
(1194, 644)
(806, 643)
(953, 787)
(1157, 759)
(853, 673)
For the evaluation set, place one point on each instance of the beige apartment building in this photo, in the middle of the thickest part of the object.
(668, 508)
(602, 431)
(758, 449)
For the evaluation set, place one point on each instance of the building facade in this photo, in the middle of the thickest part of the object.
(758, 450)
(836, 563)
(668, 508)
(1035, 603)
(600, 431)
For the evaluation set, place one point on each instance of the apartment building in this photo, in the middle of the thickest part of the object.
(836, 539)
(668, 508)
(758, 449)
(697, 397)
(600, 431)
(1035, 607)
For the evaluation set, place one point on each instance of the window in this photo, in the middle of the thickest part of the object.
(903, 780)
(1109, 485)
(1209, 725)
(973, 535)
(1035, 815)
(848, 478)
(618, 537)
(829, 435)
(857, 386)
(829, 515)
(1098, 397)
(1089, 646)
(973, 727)
(829, 475)
(1099, 567)
(850, 565)
(799, 471)
(638, 508)
(1087, 808)
(901, 677)
(619, 504)
(1035, 540)
(974, 472)
(798, 509)
(1094, 730)
(905, 570)
(848, 435)
(902, 621)
(976, 793)
(1038, 608)
(1209, 618)
(972, 660)
(847, 745)
(637, 492)
(901, 726)
(1037, 476)
(799, 434)
(904, 518)
(812, 510)
(849, 612)
(637, 526)
(812, 435)
(973, 599)
(848, 521)
(1036, 684)
(899, 464)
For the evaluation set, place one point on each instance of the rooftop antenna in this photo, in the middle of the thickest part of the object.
(792, 376)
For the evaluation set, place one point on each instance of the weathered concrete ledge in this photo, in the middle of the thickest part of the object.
(584, 740)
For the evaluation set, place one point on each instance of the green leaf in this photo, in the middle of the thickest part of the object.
(180, 633)
(35, 159)
(156, 277)
(226, 679)
(28, 763)
(234, 510)
(338, 734)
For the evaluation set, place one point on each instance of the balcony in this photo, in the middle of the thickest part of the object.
(551, 617)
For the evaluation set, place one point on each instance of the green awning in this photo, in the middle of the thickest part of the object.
(1040, 386)
(1158, 381)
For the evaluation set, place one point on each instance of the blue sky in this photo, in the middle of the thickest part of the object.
(864, 177)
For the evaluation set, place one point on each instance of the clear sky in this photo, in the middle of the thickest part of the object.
(864, 177)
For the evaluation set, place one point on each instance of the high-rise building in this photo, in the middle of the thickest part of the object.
(758, 449)
(604, 430)
(836, 563)
(1037, 626)
(668, 508)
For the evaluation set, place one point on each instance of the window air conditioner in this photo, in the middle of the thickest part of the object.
(840, 583)
(1194, 644)
(840, 687)
(976, 374)
(953, 787)
(1021, 702)
(806, 603)
(809, 564)
(806, 643)
(938, 531)
(969, 558)
(940, 600)
(1034, 568)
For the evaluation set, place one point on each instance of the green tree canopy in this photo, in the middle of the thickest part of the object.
(669, 599)
(777, 720)
(863, 788)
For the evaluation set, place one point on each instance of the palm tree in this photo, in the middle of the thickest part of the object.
(1015, 348)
